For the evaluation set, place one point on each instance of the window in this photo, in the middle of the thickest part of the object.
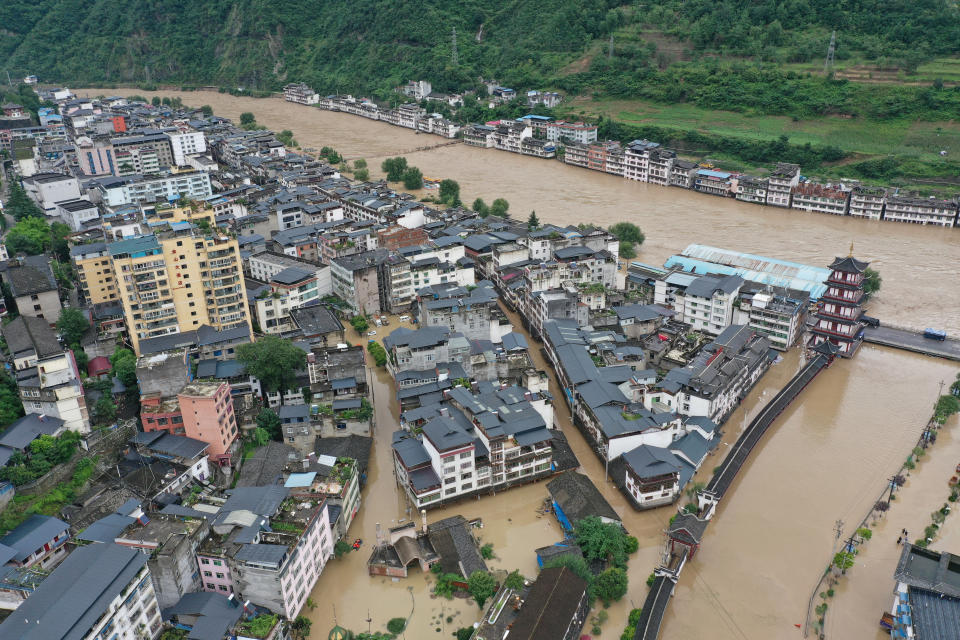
(222, 588)
(207, 574)
(210, 585)
(204, 561)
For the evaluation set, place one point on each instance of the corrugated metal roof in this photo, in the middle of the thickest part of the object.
(761, 269)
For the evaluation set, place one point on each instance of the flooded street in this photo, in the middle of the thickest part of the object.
(826, 457)
(915, 262)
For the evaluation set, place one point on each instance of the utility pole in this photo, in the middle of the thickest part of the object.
(453, 56)
(828, 65)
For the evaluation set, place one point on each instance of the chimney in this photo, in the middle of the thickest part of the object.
(423, 514)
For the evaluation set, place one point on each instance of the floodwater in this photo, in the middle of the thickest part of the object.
(826, 458)
(917, 263)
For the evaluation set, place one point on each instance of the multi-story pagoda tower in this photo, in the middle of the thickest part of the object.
(837, 319)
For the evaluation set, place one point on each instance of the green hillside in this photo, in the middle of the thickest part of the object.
(369, 45)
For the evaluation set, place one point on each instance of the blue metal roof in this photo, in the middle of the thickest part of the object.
(777, 273)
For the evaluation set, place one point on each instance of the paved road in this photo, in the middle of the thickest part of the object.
(913, 341)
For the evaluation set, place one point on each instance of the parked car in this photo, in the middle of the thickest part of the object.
(870, 320)
(935, 334)
(404, 318)
(371, 333)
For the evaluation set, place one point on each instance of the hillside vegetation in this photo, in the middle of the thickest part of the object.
(365, 45)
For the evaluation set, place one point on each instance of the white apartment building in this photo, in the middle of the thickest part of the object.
(267, 264)
(636, 160)
(185, 144)
(101, 591)
(932, 211)
(706, 302)
(867, 202)
(289, 289)
(193, 184)
(560, 131)
(819, 198)
(50, 189)
(781, 182)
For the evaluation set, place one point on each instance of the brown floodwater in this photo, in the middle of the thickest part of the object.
(825, 459)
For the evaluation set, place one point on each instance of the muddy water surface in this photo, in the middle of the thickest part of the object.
(825, 458)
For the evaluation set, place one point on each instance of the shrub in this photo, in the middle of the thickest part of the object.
(396, 625)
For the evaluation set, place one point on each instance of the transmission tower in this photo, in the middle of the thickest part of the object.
(453, 55)
(828, 65)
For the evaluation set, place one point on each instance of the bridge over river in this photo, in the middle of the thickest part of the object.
(658, 598)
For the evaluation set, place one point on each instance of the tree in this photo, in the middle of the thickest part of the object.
(514, 581)
(378, 352)
(19, 204)
(611, 585)
(481, 585)
(394, 168)
(871, 281)
(413, 178)
(481, 207)
(627, 250)
(260, 436)
(533, 223)
(359, 163)
(499, 208)
(575, 563)
(72, 324)
(124, 366)
(82, 359)
(275, 362)
(155, 101)
(450, 192)
(600, 540)
(628, 232)
(11, 408)
(30, 235)
(247, 118)
(463, 633)
(396, 625)
(269, 421)
(207, 110)
(104, 411)
(301, 627)
(359, 324)
(947, 405)
(362, 174)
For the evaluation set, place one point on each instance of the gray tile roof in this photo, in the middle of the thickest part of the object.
(706, 286)
(106, 529)
(263, 501)
(27, 333)
(266, 554)
(410, 450)
(28, 428)
(73, 598)
(33, 533)
(215, 614)
(579, 498)
(29, 280)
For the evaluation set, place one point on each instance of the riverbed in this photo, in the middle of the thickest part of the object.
(826, 457)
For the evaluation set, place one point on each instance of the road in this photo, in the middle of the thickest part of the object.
(913, 341)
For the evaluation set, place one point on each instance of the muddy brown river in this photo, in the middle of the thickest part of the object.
(826, 458)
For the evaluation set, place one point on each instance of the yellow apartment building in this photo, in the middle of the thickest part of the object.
(94, 273)
(186, 275)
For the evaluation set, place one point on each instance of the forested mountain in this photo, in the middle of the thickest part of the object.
(375, 44)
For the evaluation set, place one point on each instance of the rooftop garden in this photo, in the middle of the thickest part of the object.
(259, 627)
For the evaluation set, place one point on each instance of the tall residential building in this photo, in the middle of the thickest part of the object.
(99, 591)
(184, 276)
(185, 144)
